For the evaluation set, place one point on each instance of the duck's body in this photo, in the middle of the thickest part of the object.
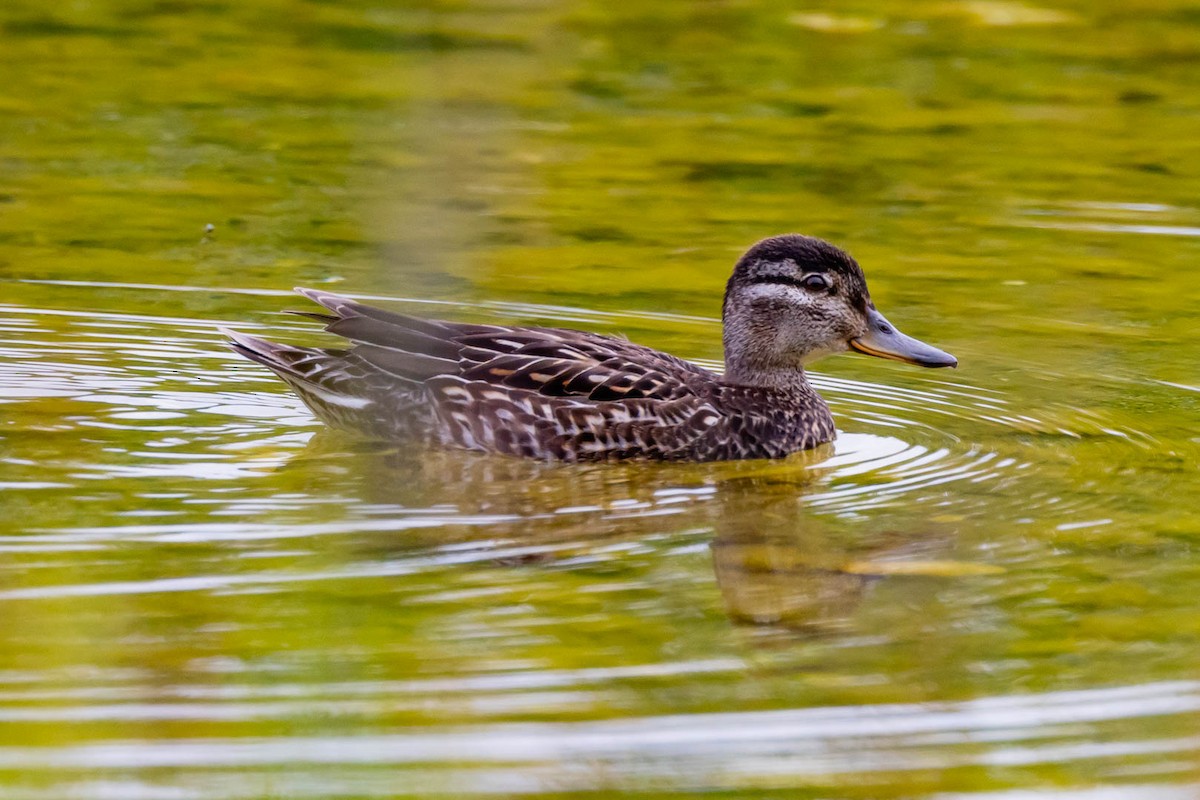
(567, 395)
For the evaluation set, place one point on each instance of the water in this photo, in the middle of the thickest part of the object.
(983, 589)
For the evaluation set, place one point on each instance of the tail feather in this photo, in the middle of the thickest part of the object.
(381, 333)
(313, 315)
(369, 390)
(316, 376)
(279, 358)
(405, 364)
(344, 308)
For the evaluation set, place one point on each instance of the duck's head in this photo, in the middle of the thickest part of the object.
(793, 299)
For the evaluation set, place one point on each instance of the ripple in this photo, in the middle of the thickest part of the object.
(1139, 219)
(706, 750)
(179, 402)
(204, 484)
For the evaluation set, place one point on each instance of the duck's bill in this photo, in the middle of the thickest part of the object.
(882, 340)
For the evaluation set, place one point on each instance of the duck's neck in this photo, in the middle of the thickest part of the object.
(743, 372)
(756, 353)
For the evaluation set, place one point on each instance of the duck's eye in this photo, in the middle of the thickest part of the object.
(815, 282)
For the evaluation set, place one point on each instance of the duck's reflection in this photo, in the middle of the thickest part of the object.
(776, 562)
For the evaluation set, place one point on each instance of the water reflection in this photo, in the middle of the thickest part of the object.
(886, 743)
(777, 563)
(471, 582)
(199, 605)
(769, 583)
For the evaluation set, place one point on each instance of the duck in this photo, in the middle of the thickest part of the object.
(564, 395)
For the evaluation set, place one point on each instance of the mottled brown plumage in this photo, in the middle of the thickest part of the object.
(558, 394)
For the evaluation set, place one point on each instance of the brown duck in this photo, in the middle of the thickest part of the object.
(557, 394)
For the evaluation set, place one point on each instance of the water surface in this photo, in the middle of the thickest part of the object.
(985, 588)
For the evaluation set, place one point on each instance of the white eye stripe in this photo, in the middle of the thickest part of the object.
(812, 281)
(778, 280)
(778, 291)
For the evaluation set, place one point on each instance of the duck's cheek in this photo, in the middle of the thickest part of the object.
(831, 348)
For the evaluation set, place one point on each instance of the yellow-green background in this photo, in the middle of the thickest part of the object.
(989, 591)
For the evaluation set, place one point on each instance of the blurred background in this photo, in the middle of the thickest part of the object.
(985, 589)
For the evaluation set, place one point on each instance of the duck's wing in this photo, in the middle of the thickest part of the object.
(551, 362)
(479, 416)
(536, 392)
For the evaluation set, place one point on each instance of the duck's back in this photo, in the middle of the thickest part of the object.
(535, 392)
(545, 393)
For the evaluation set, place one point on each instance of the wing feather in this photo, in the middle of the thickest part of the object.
(542, 392)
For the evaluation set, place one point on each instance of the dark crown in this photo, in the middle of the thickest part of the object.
(809, 254)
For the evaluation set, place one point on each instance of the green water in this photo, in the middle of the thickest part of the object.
(987, 588)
